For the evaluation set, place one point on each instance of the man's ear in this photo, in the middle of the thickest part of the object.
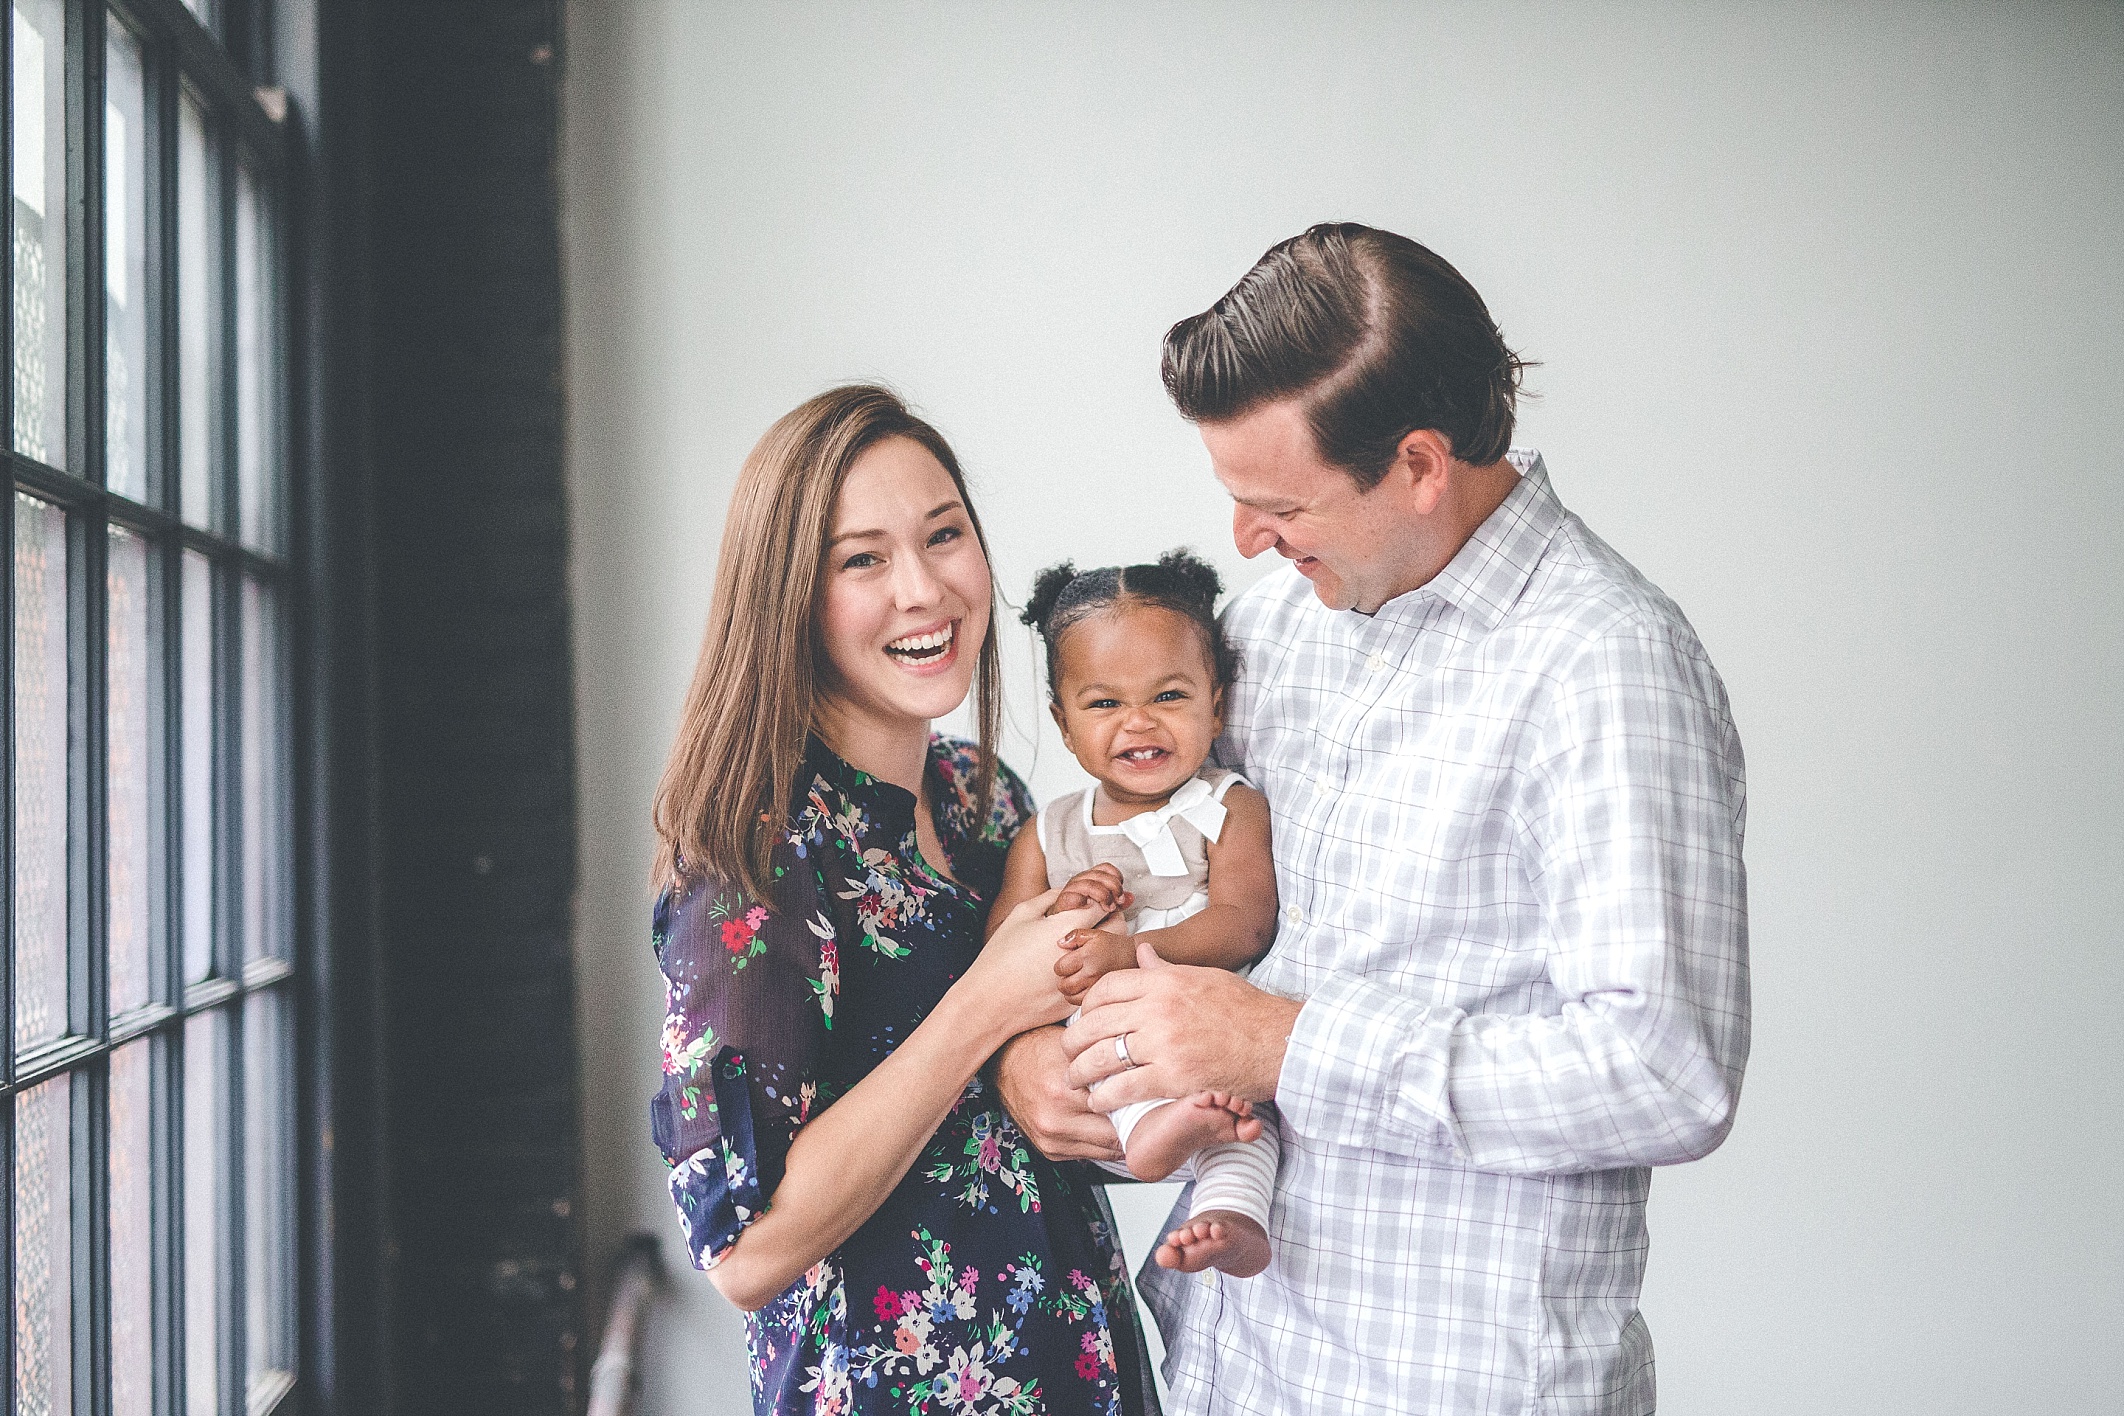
(1424, 465)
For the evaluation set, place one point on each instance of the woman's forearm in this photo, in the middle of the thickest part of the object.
(847, 1159)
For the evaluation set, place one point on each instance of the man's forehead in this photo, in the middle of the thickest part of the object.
(1267, 454)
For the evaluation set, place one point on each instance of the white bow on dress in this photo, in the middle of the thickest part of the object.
(1196, 804)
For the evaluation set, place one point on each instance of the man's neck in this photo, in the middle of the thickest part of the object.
(1471, 498)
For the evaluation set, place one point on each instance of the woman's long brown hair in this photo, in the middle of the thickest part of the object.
(724, 797)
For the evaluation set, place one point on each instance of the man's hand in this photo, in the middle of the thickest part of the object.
(1032, 1077)
(1089, 955)
(1099, 887)
(1189, 1030)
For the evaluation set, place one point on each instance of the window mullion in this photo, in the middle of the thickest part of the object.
(167, 1181)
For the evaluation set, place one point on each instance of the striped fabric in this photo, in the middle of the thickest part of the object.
(1508, 815)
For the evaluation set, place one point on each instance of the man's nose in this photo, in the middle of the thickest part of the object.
(1251, 532)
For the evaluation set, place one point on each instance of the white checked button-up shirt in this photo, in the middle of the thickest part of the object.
(1508, 812)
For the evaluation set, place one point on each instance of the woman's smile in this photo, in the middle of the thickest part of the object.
(928, 650)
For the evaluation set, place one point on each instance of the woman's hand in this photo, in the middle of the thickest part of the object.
(1013, 979)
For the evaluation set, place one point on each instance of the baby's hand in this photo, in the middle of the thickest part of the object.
(1098, 887)
(1089, 955)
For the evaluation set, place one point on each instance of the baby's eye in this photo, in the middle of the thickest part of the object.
(1104, 703)
(861, 560)
(1171, 695)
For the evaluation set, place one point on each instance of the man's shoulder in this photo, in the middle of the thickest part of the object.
(1585, 591)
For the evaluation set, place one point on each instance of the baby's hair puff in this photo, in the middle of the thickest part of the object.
(1179, 581)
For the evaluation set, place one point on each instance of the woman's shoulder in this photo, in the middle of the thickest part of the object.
(957, 760)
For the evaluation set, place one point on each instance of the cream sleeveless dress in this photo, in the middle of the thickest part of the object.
(1163, 857)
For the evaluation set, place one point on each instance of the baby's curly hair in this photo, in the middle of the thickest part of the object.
(1179, 581)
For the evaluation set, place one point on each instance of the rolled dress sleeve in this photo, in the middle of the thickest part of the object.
(749, 996)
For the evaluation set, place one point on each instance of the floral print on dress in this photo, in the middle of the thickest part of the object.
(989, 1280)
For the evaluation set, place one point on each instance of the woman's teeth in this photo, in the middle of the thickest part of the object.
(921, 648)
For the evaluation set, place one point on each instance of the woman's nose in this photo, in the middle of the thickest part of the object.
(914, 585)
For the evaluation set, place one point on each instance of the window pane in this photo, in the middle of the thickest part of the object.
(44, 1303)
(267, 1183)
(40, 771)
(262, 813)
(198, 738)
(132, 1234)
(125, 265)
(196, 317)
(40, 229)
(257, 438)
(206, 1183)
(131, 748)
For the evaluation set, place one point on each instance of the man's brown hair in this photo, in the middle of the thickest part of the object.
(1374, 334)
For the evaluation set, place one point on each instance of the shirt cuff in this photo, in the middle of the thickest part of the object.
(1367, 1067)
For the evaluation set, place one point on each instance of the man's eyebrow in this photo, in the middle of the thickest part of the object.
(839, 536)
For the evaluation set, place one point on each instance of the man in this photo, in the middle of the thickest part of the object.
(1508, 803)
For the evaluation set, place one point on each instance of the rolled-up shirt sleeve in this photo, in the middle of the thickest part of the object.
(1629, 813)
(749, 993)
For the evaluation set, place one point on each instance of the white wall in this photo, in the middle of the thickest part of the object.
(1831, 307)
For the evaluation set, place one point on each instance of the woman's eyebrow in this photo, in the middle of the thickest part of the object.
(840, 536)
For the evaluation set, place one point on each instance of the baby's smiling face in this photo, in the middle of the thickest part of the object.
(1138, 701)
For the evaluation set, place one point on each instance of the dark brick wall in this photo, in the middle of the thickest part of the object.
(473, 709)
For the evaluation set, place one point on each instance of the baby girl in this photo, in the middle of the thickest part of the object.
(1137, 668)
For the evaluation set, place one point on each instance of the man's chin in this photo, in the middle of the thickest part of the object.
(1330, 591)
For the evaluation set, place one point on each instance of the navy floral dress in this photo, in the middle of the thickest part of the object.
(989, 1280)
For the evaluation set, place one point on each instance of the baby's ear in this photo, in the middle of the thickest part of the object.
(1217, 709)
(1062, 722)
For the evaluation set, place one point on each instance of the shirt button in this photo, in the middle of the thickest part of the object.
(1292, 914)
(1376, 663)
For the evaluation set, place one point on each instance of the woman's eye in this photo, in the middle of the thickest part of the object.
(861, 560)
(945, 534)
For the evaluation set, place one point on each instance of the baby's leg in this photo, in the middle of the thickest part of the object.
(1227, 1224)
(1159, 1142)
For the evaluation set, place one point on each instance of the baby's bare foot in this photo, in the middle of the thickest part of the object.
(1175, 1131)
(1231, 1243)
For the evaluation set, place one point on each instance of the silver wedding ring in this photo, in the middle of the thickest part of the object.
(1121, 1050)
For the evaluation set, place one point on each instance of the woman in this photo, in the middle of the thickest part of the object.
(840, 1168)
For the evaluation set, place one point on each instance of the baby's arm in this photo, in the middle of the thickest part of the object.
(1024, 875)
(1239, 923)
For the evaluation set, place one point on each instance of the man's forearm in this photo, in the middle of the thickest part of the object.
(1604, 1083)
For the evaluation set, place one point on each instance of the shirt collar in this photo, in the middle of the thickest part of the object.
(1484, 580)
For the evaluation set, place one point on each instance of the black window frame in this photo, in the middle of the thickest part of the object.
(179, 51)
